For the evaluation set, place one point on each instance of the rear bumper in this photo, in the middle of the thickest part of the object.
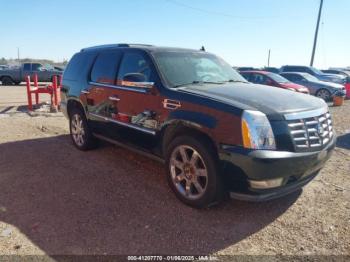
(294, 169)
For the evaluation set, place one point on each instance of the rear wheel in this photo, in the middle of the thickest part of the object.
(324, 94)
(193, 172)
(80, 132)
(6, 81)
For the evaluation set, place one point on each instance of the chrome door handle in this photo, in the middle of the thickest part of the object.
(86, 92)
(114, 98)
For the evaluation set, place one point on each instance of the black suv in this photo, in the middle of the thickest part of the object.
(217, 134)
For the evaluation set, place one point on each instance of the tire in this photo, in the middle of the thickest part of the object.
(324, 94)
(195, 181)
(6, 81)
(80, 132)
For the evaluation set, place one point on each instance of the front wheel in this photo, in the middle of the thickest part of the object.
(80, 132)
(324, 94)
(6, 81)
(193, 173)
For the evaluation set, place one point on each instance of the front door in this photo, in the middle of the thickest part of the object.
(137, 100)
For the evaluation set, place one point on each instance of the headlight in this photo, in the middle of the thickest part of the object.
(256, 131)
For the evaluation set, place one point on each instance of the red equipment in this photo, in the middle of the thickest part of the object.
(52, 90)
(347, 88)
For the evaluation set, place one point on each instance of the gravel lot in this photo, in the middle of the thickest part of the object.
(57, 200)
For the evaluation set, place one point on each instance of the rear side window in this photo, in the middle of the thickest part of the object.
(35, 67)
(105, 67)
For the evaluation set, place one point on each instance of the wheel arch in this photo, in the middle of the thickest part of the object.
(1, 77)
(74, 103)
(175, 128)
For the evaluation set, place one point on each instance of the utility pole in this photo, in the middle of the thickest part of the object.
(18, 54)
(316, 34)
(268, 58)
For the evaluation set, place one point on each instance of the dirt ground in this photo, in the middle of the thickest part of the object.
(56, 200)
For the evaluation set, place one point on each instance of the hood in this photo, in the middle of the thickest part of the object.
(272, 101)
(332, 78)
(329, 84)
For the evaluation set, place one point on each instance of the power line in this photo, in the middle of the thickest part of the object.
(202, 10)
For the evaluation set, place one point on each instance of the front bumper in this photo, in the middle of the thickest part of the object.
(296, 169)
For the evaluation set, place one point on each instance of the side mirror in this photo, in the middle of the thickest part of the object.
(137, 80)
(134, 77)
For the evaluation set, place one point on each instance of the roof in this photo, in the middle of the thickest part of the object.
(139, 46)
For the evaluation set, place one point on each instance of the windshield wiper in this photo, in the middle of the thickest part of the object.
(236, 81)
(198, 82)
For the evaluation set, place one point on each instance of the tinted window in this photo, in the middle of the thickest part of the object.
(26, 67)
(292, 78)
(258, 79)
(35, 67)
(294, 69)
(78, 66)
(105, 67)
(135, 63)
(246, 76)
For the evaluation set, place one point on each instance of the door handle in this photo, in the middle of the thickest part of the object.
(114, 98)
(86, 92)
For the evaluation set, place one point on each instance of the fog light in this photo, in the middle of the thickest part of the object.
(264, 184)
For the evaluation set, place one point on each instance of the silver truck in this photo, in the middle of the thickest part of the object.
(17, 75)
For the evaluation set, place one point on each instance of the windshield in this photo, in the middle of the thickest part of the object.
(278, 78)
(310, 77)
(182, 68)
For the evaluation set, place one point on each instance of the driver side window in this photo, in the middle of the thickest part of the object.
(137, 65)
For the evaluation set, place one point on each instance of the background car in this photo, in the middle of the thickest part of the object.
(337, 72)
(246, 68)
(272, 69)
(272, 79)
(314, 72)
(321, 89)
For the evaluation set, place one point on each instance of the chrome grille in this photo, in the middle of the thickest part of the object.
(311, 132)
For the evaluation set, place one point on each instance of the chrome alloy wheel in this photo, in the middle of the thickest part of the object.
(188, 172)
(77, 129)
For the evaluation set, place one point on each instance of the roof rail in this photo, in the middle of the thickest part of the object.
(112, 46)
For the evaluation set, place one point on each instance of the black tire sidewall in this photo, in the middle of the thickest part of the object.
(6, 81)
(214, 189)
(89, 140)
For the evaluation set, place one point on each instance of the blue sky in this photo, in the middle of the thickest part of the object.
(240, 31)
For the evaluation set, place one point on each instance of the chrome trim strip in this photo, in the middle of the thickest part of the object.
(142, 129)
(306, 114)
(133, 89)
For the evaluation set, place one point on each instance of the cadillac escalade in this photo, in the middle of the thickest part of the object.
(217, 134)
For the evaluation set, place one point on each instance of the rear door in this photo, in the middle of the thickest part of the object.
(96, 96)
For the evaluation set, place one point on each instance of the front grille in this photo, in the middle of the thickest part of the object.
(311, 132)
